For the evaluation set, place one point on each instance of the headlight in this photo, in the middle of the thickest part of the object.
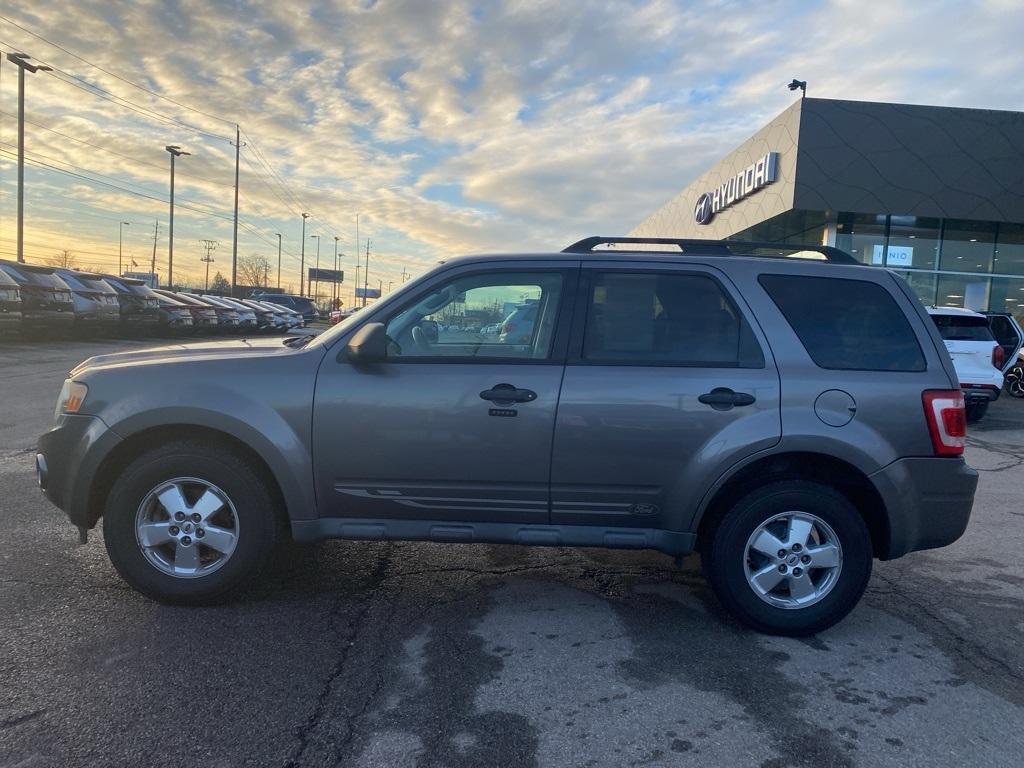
(71, 397)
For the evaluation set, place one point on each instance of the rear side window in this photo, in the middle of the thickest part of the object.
(848, 325)
(659, 318)
(963, 328)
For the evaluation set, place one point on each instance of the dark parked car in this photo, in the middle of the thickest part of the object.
(175, 316)
(10, 304)
(791, 419)
(228, 318)
(96, 306)
(301, 304)
(46, 302)
(204, 317)
(246, 315)
(266, 319)
(139, 305)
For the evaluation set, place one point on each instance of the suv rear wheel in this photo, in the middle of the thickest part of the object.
(189, 523)
(790, 558)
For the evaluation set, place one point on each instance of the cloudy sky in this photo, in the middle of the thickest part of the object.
(450, 127)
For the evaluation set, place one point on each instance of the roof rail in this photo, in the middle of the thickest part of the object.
(712, 247)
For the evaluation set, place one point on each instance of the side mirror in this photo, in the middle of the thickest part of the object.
(368, 345)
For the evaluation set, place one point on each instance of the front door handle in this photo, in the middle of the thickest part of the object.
(723, 398)
(507, 394)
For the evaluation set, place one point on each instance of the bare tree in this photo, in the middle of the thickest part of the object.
(253, 270)
(64, 259)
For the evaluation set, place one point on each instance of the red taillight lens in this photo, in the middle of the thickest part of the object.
(998, 356)
(506, 328)
(947, 420)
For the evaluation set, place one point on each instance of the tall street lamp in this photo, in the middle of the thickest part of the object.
(120, 244)
(334, 283)
(278, 261)
(20, 60)
(317, 266)
(175, 151)
(302, 261)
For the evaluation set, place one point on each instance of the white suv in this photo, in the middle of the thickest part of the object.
(977, 357)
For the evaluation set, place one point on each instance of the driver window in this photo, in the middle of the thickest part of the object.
(504, 315)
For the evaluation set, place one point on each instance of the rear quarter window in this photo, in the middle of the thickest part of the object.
(852, 325)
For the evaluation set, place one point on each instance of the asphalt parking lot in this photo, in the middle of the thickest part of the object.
(376, 654)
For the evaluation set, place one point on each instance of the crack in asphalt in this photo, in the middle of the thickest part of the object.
(373, 581)
(960, 646)
(11, 722)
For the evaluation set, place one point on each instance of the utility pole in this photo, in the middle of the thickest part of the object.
(120, 243)
(405, 275)
(366, 270)
(315, 295)
(175, 151)
(355, 289)
(334, 283)
(302, 262)
(20, 60)
(156, 230)
(278, 261)
(210, 246)
(234, 237)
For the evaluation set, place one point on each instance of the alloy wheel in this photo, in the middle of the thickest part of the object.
(793, 560)
(186, 527)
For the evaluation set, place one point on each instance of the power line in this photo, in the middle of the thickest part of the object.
(114, 75)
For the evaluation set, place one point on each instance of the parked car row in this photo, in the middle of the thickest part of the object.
(984, 348)
(37, 299)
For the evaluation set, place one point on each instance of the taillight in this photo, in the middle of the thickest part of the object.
(506, 328)
(998, 356)
(946, 415)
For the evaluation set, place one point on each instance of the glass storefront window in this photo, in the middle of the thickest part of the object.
(1009, 257)
(923, 284)
(862, 235)
(913, 242)
(962, 291)
(968, 246)
(1007, 295)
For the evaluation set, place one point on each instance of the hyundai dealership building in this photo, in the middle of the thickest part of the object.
(935, 193)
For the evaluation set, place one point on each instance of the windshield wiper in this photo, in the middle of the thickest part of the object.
(297, 342)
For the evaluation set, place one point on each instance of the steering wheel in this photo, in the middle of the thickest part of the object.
(419, 338)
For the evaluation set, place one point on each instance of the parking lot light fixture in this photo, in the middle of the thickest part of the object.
(175, 152)
(302, 258)
(20, 60)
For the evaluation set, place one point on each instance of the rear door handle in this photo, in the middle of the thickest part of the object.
(506, 393)
(723, 398)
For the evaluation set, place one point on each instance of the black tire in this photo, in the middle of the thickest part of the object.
(976, 411)
(258, 521)
(725, 558)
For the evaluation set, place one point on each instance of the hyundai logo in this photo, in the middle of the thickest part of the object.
(702, 210)
(759, 173)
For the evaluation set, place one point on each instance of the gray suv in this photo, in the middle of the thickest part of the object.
(791, 417)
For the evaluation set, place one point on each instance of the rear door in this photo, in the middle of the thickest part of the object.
(667, 384)
(1008, 336)
(970, 343)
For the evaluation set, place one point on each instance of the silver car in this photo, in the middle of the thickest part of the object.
(791, 419)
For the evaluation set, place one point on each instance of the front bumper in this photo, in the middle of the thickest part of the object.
(68, 459)
(929, 502)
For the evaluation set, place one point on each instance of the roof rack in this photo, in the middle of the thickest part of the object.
(712, 247)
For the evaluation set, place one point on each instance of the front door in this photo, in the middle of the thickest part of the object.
(667, 384)
(457, 423)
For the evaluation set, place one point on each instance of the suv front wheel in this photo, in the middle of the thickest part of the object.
(189, 523)
(790, 558)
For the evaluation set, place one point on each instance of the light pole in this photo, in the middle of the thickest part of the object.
(334, 283)
(120, 243)
(279, 261)
(317, 267)
(20, 60)
(302, 262)
(174, 151)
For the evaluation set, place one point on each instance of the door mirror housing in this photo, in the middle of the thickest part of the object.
(368, 345)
